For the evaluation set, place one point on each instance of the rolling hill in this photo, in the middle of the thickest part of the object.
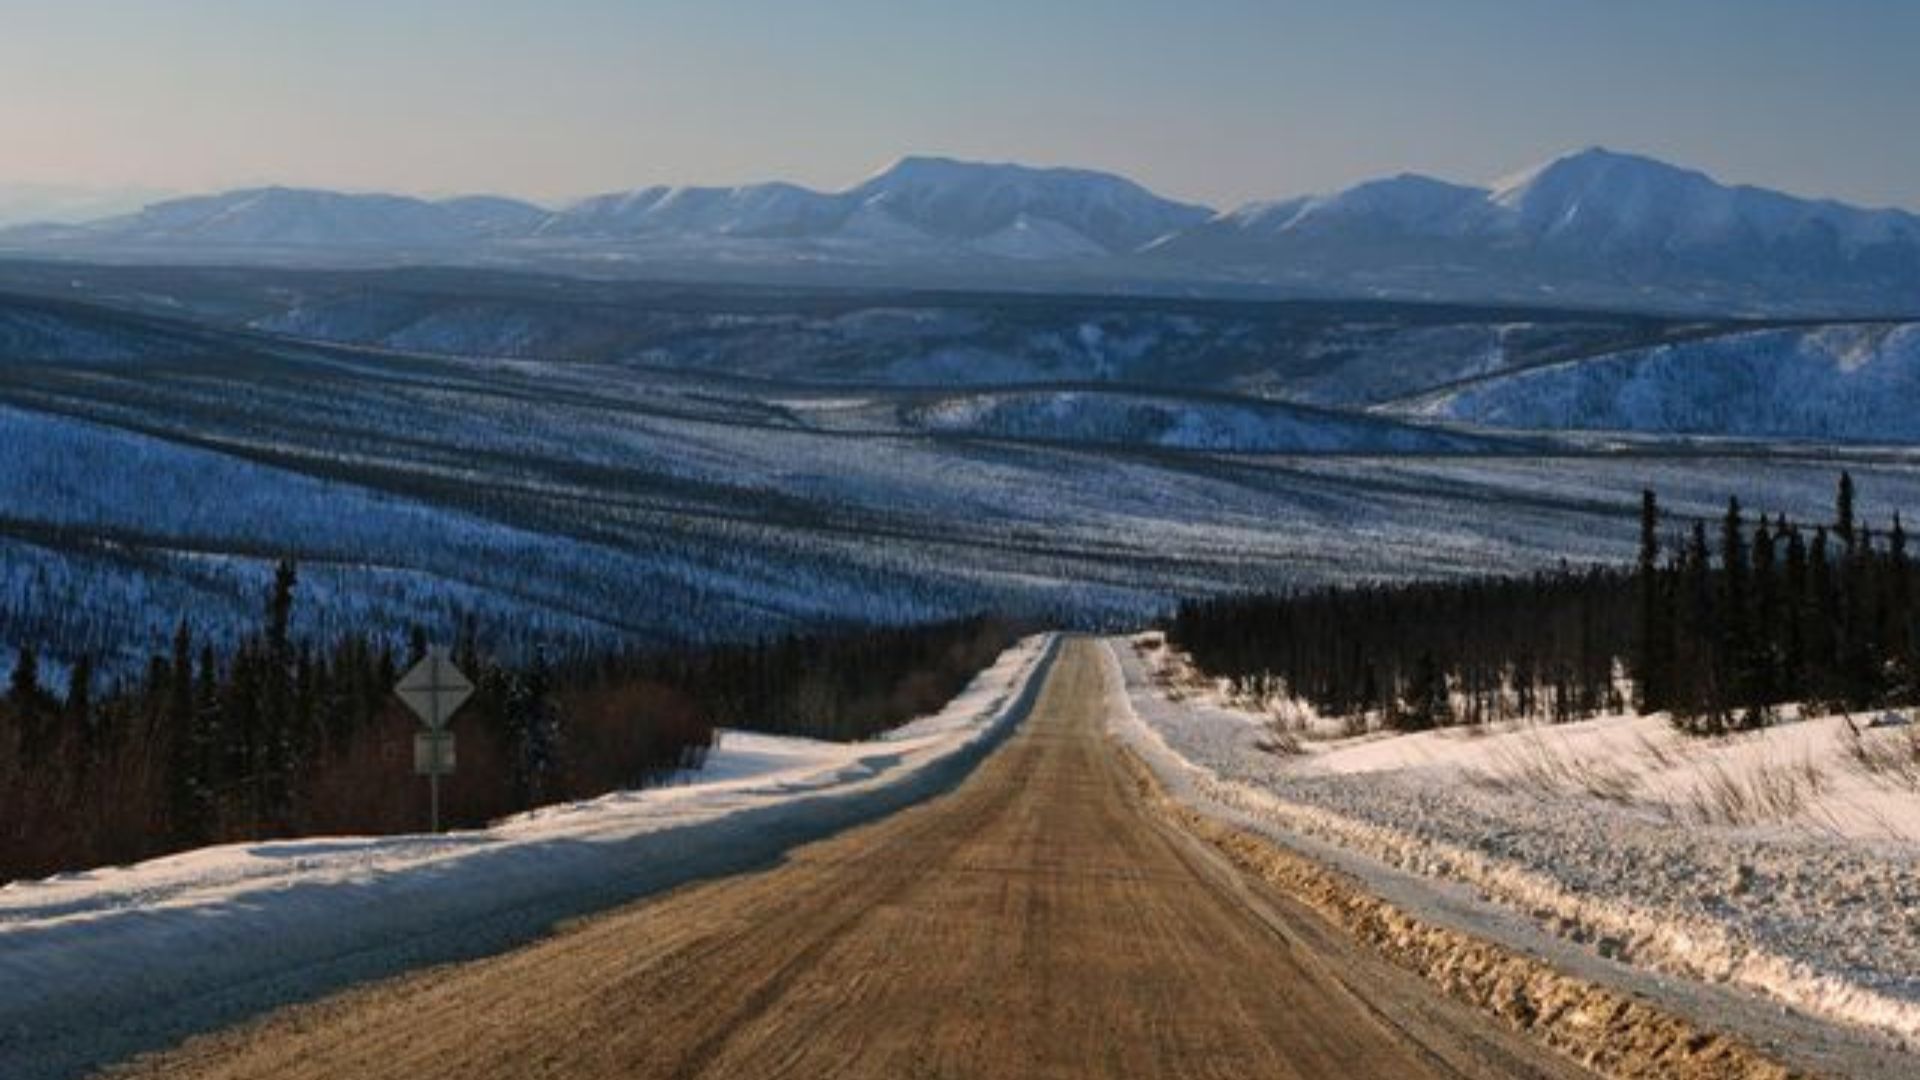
(1851, 382)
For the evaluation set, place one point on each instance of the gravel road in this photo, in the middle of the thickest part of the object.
(1040, 920)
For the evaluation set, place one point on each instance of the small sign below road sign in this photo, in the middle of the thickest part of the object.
(434, 688)
(433, 753)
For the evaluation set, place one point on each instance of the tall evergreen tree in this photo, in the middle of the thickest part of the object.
(1793, 609)
(1843, 521)
(1650, 667)
(188, 785)
(275, 759)
(1898, 594)
(1425, 705)
(536, 729)
(1764, 625)
(217, 772)
(23, 686)
(78, 709)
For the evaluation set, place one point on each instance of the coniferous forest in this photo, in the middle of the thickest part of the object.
(280, 737)
(1718, 623)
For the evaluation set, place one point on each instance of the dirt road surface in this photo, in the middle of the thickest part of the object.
(1038, 921)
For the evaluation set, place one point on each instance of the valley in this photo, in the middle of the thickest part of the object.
(433, 449)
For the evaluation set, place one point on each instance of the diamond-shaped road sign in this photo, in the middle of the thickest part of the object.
(434, 688)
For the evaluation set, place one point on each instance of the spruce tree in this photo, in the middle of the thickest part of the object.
(78, 709)
(187, 782)
(1823, 622)
(535, 727)
(216, 772)
(1701, 707)
(29, 702)
(1425, 706)
(1843, 523)
(1650, 667)
(23, 686)
(1898, 594)
(1763, 628)
(1793, 612)
(275, 759)
(1859, 611)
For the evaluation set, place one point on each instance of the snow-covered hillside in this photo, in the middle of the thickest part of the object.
(1780, 863)
(95, 966)
(1405, 204)
(36, 331)
(766, 211)
(1849, 382)
(1141, 419)
(1326, 354)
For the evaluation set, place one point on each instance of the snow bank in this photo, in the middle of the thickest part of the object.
(97, 965)
(1811, 910)
(1825, 777)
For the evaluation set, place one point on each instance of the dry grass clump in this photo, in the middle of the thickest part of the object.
(1888, 757)
(1718, 793)
(1535, 767)
(1762, 792)
(1280, 741)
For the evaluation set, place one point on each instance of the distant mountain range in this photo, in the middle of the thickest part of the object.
(28, 204)
(1592, 228)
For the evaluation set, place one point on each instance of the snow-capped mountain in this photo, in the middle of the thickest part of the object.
(1404, 204)
(492, 216)
(962, 200)
(1594, 226)
(297, 217)
(1623, 203)
(761, 211)
(1008, 210)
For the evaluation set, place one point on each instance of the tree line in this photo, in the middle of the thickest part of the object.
(1718, 625)
(274, 736)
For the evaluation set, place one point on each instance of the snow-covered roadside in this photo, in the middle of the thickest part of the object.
(1820, 925)
(97, 965)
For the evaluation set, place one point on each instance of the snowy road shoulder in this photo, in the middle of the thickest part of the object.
(1609, 892)
(97, 965)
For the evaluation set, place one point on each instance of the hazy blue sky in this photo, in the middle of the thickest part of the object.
(1213, 100)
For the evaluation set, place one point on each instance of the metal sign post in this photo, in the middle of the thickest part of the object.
(434, 689)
